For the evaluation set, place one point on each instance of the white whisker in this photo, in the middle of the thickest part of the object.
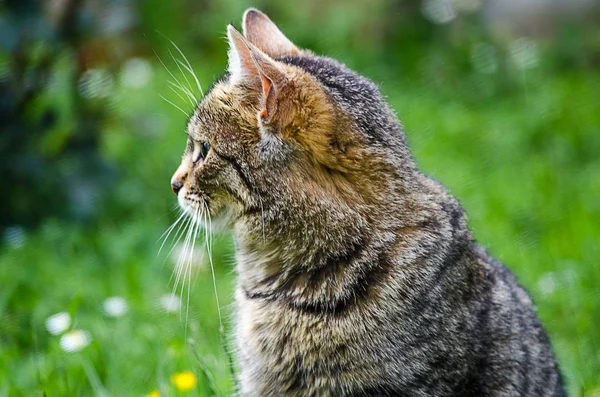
(168, 232)
(177, 107)
(181, 259)
(188, 67)
(179, 63)
(176, 84)
(179, 85)
(190, 97)
(186, 99)
(189, 267)
(180, 215)
(208, 230)
(178, 237)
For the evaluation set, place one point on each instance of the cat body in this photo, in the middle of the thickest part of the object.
(357, 273)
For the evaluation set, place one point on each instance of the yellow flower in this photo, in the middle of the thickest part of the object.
(154, 393)
(184, 381)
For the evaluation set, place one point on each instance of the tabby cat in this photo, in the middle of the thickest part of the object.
(357, 274)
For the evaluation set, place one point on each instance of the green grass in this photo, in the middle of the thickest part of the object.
(525, 165)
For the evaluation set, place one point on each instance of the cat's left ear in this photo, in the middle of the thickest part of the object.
(251, 66)
(263, 33)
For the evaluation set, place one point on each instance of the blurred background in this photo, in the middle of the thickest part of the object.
(500, 100)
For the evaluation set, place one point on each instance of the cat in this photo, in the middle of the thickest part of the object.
(356, 273)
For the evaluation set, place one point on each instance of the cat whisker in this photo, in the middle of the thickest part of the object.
(179, 84)
(186, 99)
(177, 107)
(208, 243)
(180, 215)
(208, 229)
(187, 64)
(168, 232)
(189, 266)
(178, 236)
(208, 239)
(188, 67)
(182, 255)
(188, 94)
(179, 63)
(176, 84)
(180, 226)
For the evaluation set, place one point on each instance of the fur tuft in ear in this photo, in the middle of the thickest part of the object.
(240, 60)
(264, 34)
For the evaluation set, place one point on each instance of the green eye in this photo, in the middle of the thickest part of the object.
(204, 150)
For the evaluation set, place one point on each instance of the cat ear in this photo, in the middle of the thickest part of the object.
(264, 34)
(249, 65)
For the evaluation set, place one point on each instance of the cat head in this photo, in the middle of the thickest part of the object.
(289, 143)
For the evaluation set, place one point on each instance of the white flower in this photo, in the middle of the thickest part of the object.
(115, 306)
(58, 323)
(170, 302)
(75, 340)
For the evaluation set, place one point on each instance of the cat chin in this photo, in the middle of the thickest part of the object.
(185, 205)
(192, 207)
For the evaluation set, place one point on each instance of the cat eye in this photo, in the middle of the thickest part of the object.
(204, 149)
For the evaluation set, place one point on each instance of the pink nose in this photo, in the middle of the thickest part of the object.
(176, 186)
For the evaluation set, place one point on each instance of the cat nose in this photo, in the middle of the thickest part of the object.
(176, 185)
(179, 177)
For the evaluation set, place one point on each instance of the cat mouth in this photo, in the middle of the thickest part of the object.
(195, 204)
(223, 213)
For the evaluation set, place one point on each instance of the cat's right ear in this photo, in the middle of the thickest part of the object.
(264, 34)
